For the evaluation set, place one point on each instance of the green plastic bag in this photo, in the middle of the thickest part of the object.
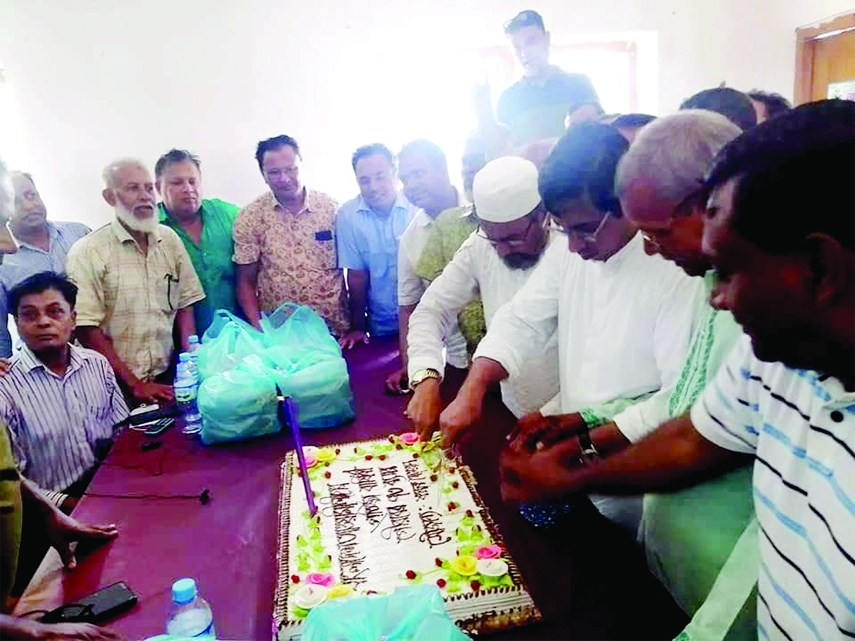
(226, 343)
(239, 403)
(299, 328)
(410, 613)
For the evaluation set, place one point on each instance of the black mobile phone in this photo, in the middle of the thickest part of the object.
(97, 608)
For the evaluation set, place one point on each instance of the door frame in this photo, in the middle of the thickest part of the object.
(806, 38)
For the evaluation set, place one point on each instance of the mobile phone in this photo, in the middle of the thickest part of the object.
(97, 608)
(159, 427)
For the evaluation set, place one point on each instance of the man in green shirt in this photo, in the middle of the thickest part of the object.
(205, 228)
(688, 536)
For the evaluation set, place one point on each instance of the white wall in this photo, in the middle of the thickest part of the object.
(95, 79)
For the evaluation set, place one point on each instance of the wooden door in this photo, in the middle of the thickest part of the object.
(825, 60)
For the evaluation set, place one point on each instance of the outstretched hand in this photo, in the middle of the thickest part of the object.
(63, 531)
(352, 339)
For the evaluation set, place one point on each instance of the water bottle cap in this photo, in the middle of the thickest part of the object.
(184, 591)
(193, 339)
(184, 357)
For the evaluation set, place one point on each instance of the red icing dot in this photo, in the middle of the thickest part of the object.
(399, 446)
(391, 439)
(452, 506)
(338, 450)
(438, 562)
(433, 478)
(415, 455)
(440, 582)
(475, 585)
(410, 575)
(469, 513)
(327, 475)
(382, 457)
(295, 578)
(368, 457)
(455, 484)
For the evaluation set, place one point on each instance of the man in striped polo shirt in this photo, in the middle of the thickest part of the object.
(780, 232)
(57, 444)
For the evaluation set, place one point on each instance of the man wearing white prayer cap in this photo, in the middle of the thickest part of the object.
(495, 261)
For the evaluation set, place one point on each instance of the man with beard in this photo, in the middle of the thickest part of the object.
(495, 261)
(42, 246)
(136, 285)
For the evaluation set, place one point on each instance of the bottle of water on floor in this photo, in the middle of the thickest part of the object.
(190, 616)
(186, 389)
(187, 358)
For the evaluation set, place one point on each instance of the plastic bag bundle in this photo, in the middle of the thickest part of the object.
(240, 368)
(410, 613)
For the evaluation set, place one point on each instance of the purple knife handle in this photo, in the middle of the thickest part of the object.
(291, 418)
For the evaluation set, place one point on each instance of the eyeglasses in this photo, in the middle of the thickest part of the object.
(510, 241)
(585, 237)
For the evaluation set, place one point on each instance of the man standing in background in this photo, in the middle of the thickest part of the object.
(285, 244)
(424, 175)
(136, 284)
(205, 228)
(42, 246)
(536, 105)
(368, 229)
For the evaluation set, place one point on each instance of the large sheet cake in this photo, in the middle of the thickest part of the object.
(392, 512)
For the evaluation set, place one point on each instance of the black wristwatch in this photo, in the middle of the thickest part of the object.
(586, 447)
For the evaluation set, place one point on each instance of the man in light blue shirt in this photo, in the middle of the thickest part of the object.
(368, 229)
(42, 247)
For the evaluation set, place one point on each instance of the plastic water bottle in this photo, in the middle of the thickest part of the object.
(186, 389)
(191, 616)
(187, 358)
(193, 349)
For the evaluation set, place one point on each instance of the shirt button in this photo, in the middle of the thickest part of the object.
(837, 416)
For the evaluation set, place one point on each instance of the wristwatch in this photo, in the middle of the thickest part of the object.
(586, 447)
(422, 375)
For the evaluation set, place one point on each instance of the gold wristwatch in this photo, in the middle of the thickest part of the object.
(422, 375)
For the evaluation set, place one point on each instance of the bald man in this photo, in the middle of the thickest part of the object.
(136, 284)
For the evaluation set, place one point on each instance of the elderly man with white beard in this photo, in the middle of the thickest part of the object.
(136, 284)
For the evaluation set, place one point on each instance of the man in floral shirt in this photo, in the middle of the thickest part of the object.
(285, 242)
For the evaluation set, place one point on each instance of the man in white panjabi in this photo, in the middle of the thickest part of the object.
(495, 262)
(623, 318)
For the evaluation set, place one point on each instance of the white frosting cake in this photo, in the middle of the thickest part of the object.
(392, 512)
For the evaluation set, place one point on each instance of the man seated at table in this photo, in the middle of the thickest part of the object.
(368, 229)
(42, 246)
(688, 536)
(59, 444)
(17, 495)
(285, 242)
(623, 318)
(205, 228)
(423, 171)
(780, 233)
(135, 284)
(495, 261)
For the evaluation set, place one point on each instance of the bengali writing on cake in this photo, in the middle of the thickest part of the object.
(391, 502)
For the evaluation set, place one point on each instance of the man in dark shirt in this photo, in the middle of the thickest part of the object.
(534, 107)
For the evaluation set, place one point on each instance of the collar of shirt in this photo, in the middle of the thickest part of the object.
(634, 245)
(167, 219)
(29, 361)
(829, 389)
(307, 202)
(400, 203)
(424, 220)
(52, 234)
(124, 236)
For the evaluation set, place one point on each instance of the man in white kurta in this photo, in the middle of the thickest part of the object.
(623, 318)
(494, 261)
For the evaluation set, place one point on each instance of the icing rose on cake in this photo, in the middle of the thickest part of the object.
(409, 438)
(310, 454)
(326, 454)
(310, 596)
(325, 579)
(464, 565)
(488, 552)
(492, 567)
(339, 591)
